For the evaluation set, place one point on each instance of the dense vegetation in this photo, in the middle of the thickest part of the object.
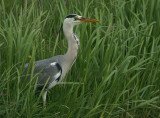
(117, 72)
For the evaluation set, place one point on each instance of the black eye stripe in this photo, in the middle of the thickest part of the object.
(71, 16)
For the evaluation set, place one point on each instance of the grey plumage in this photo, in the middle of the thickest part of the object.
(53, 70)
(46, 71)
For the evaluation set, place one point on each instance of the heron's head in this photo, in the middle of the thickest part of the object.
(74, 19)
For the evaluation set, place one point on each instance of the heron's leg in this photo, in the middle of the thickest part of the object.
(44, 95)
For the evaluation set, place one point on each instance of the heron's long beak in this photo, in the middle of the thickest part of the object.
(82, 19)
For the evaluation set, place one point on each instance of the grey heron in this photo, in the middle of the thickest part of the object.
(53, 70)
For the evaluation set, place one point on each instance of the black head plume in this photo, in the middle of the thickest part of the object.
(71, 16)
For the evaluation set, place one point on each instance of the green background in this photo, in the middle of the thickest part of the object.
(116, 74)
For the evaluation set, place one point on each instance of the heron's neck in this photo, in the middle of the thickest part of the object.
(73, 45)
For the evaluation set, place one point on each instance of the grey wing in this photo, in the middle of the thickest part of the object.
(50, 73)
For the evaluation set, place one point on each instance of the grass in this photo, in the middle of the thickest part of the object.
(116, 74)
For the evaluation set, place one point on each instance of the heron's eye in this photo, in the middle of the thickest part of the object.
(75, 18)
